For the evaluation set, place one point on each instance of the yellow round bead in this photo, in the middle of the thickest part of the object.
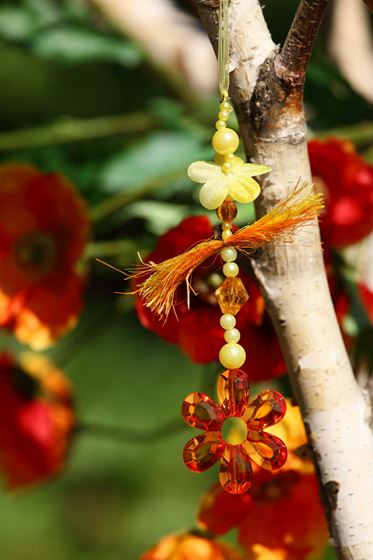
(232, 335)
(225, 141)
(225, 234)
(228, 321)
(225, 106)
(228, 254)
(223, 115)
(232, 355)
(227, 167)
(230, 269)
(220, 124)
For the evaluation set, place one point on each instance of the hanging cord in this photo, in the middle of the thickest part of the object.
(223, 50)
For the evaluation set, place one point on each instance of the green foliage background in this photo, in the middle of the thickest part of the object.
(61, 63)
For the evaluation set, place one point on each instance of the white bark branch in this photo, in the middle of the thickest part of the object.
(293, 281)
(351, 26)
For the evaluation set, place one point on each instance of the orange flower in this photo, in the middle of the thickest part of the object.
(37, 419)
(291, 431)
(43, 231)
(190, 547)
(281, 516)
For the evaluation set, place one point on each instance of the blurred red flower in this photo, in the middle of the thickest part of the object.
(366, 296)
(37, 419)
(347, 181)
(190, 547)
(43, 232)
(197, 330)
(281, 515)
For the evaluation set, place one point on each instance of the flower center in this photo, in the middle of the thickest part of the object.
(37, 252)
(234, 430)
(26, 385)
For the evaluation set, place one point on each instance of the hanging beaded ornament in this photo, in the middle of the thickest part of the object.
(233, 428)
(224, 181)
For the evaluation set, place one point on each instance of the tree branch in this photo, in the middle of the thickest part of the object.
(293, 280)
(292, 61)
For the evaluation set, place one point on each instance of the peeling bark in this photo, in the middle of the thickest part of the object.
(267, 90)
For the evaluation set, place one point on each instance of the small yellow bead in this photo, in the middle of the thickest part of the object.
(226, 225)
(225, 106)
(228, 254)
(230, 269)
(223, 116)
(227, 167)
(232, 355)
(227, 321)
(220, 124)
(225, 141)
(232, 335)
(225, 234)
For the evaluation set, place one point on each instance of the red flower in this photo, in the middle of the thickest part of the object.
(197, 330)
(43, 232)
(236, 453)
(37, 419)
(348, 184)
(281, 514)
(366, 296)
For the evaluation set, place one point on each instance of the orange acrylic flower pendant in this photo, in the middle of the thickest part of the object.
(233, 431)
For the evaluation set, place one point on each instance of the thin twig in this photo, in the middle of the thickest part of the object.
(74, 130)
(293, 59)
(110, 205)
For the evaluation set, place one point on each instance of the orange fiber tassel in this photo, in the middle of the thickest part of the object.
(158, 290)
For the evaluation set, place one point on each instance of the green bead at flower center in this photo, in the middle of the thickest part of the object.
(234, 431)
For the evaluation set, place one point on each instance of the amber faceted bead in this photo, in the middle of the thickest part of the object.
(227, 211)
(235, 470)
(231, 295)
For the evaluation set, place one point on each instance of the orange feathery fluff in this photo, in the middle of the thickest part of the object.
(158, 290)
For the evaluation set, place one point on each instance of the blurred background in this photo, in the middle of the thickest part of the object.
(119, 97)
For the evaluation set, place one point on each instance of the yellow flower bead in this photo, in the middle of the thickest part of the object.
(232, 356)
(230, 269)
(225, 141)
(232, 335)
(227, 321)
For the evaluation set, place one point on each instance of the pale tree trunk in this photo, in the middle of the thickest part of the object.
(267, 90)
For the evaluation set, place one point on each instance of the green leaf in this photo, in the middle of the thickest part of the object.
(75, 44)
(15, 23)
(18, 23)
(160, 154)
(159, 216)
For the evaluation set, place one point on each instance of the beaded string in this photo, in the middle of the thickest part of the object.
(223, 50)
(225, 142)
